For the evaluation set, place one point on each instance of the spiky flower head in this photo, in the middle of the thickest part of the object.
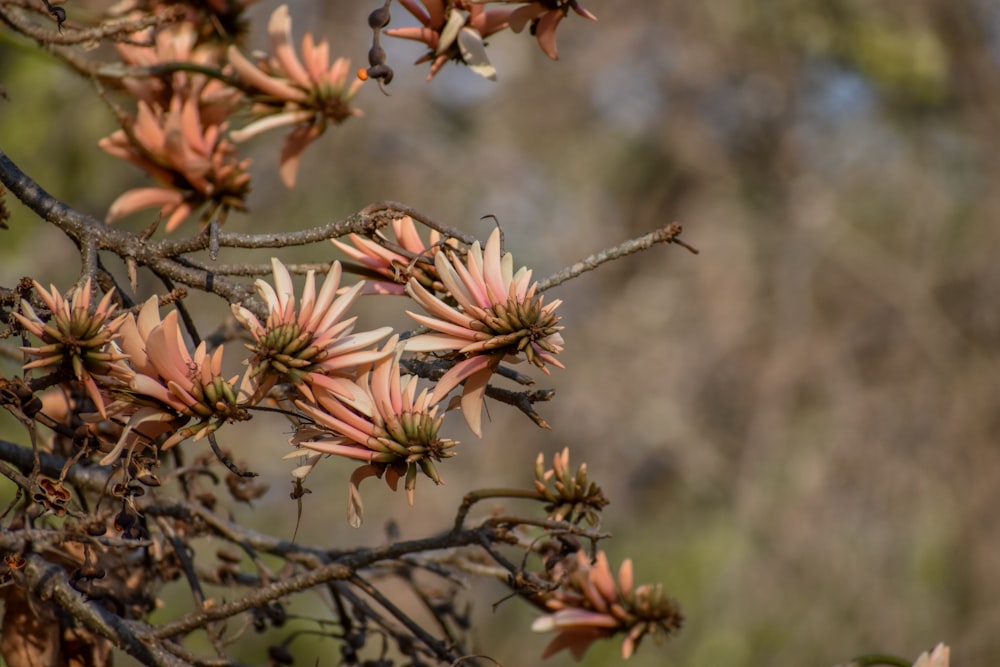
(571, 496)
(167, 384)
(390, 270)
(183, 149)
(307, 343)
(380, 419)
(489, 312)
(77, 337)
(307, 93)
(591, 604)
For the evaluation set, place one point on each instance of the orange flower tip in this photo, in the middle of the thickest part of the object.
(363, 74)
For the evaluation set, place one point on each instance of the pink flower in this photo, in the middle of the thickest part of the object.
(308, 344)
(391, 270)
(306, 93)
(178, 43)
(592, 604)
(496, 314)
(379, 419)
(174, 146)
(167, 386)
(76, 338)
(571, 496)
(454, 31)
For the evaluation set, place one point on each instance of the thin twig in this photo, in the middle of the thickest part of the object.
(669, 234)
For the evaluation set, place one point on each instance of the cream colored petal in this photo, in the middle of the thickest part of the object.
(279, 32)
(453, 281)
(435, 306)
(271, 122)
(283, 287)
(433, 343)
(444, 327)
(330, 308)
(138, 199)
(493, 274)
(268, 85)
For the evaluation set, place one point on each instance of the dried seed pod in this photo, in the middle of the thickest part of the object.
(379, 18)
(376, 56)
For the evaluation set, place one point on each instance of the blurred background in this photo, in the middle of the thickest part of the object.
(798, 428)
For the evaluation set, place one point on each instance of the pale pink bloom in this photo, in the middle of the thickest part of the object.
(498, 314)
(175, 43)
(76, 338)
(389, 270)
(308, 343)
(167, 384)
(307, 93)
(176, 133)
(940, 656)
(380, 419)
(195, 164)
(454, 31)
(544, 17)
(593, 604)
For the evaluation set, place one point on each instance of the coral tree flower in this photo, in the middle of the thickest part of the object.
(308, 344)
(167, 387)
(544, 17)
(570, 496)
(592, 605)
(176, 134)
(306, 93)
(496, 313)
(389, 269)
(77, 338)
(454, 31)
(190, 158)
(379, 419)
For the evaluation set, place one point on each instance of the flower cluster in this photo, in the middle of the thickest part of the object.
(166, 387)
(312, 344)
(570, 496)
(306, 93)
(489, 313)
(389, 270)
(591, 604)
(350, 397)
(187, 84)
(456, 29)
(77, 339)
(380, 419)
(177, 133)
